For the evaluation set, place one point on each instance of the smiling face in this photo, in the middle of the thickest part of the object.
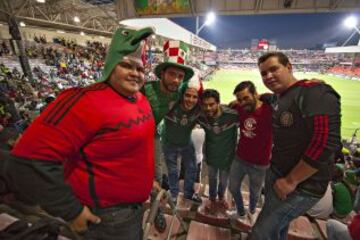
(276, 76)
(171, 78)
(210, 107)
(247, 100)
(127, 77)
(190, 99)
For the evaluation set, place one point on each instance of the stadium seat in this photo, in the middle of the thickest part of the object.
(321, 225)
(155, 235)
(301, 229)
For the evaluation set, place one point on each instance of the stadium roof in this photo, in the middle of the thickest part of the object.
(346, 49)
(103, 16)
(166, 28)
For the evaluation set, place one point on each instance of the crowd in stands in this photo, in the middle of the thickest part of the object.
(4, 49)
(297, 56)
(345, 71)
(303, 60)
(62, 64)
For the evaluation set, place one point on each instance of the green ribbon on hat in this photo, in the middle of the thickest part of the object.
(124, 42)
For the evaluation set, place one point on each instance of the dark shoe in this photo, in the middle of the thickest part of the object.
(196, 199)
(160, 222)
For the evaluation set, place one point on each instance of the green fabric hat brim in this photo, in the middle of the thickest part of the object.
(162, 66)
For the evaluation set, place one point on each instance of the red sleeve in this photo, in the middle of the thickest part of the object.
(354, 227)
(61, 130)
(321, 110)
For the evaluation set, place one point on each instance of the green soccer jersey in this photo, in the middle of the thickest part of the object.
(160, 102)
(220, 138)
(178, 125)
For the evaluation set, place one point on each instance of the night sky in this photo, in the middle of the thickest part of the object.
(297, 31)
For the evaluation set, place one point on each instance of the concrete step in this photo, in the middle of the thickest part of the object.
(201, 231)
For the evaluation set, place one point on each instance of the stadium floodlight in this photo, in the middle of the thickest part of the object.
(76, 19)
(22, 24)
(351, 22)
(210, 18)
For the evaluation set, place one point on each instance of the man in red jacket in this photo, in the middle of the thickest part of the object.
(88, 158)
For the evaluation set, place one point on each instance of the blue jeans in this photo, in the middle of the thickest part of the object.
(117, 223)
(239, 169)
(275, 216)
(157, 160)
(217, 187)
(336, 230)
(187, 154)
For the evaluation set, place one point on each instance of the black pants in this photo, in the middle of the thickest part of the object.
(117, 223)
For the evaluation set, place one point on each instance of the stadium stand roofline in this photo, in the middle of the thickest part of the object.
(166, 28)
(346, 49)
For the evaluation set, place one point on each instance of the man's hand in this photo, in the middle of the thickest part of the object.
(79, 224)
(156, 186)
(284, 187)
(233, 104)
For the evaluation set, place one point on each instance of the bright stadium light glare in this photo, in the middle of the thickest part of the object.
(350, 22)
(22, 24)
(210, 18)
(76, 19)
(40, 1)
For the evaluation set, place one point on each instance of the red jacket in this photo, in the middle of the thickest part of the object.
(104, 141)
(354, 227)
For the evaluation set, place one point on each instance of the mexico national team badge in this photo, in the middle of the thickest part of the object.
(184, 120)
(286, 119)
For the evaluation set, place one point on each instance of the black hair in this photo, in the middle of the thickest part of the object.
(210, 93)
(282, 58)
(245, 85)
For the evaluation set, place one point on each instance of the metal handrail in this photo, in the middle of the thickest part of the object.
(153, 211)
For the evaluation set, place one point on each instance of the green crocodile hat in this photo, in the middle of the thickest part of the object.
(124, 42)
(176, 54)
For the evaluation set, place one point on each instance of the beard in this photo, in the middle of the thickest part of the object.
(250, 107)
(171, 87)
